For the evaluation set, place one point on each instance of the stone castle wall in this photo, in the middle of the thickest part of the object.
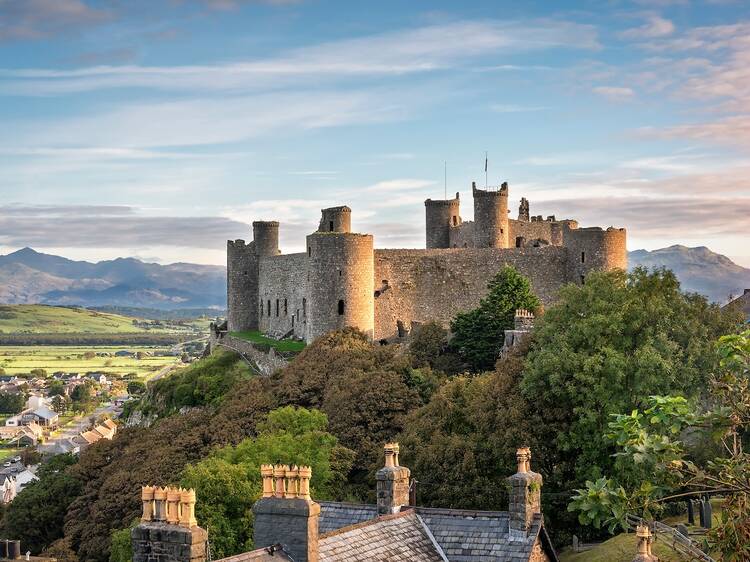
(242, 286)
(436, 284)
(282, 293)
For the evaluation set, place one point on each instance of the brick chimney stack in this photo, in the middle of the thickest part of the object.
(285, 514)
(168, 531)
(525, 494)
(392, 483)
(645, 538)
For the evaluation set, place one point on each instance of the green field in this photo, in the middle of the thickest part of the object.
(621, 548)
(280, 345)
(21, 359)
(42, 319)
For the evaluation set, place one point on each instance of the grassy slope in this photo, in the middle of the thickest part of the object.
(621, 548)
(41, 319)
(281, 345)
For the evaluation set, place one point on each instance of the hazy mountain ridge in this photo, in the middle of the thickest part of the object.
(28, 276)
(699, 270)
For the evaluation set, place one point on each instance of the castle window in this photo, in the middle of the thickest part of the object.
(244, 273)
(309, 251)
(261, 309)
(339, 273)
(501, 231)
(330, 226)
(277, 308)
(286, 311)
(341, 308)
(583, 257)
(268, 302)
(455, 221)
(583, 279)
(377, 294)
(304, 306)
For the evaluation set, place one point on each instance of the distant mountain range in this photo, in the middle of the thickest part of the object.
(699, 270)
(28, 276)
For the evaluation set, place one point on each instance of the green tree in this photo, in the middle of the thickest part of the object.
(228, 482)
(136, 387)
(121, 549)
(41, 373)
(60, 403)
(604, 348)
(478, 334)
(664, 459)
(35, 516)
(12, 402)
(56, 388)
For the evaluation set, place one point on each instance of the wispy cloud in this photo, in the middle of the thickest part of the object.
(110, 227)
(34, 19)
(615, 93)
(512, 108)
(401, 52)
(654, 26)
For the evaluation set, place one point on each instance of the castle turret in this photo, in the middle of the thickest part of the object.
(242, 286)
(490, 217)
(595, 249)
(336, 219)
(243, 306)
(266, 238)
(341, 272)
(440, 215)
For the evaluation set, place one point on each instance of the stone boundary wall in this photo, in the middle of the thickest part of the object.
(267, 361)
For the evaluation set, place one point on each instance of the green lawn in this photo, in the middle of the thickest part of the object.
(280, 345)
(21, 359)
(621, 548)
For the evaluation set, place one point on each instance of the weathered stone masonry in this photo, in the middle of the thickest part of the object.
(341, 280)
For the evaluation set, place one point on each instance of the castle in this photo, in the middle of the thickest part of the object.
(342, 280)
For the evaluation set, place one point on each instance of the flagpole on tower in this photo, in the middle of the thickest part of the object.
(485, 169)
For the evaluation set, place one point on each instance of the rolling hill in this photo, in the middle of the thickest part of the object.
(43, 319)
(28, 276)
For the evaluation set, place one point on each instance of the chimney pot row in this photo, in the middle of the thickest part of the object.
(284, 481)
(175, 506)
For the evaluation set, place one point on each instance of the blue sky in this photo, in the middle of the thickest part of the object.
(161, 128)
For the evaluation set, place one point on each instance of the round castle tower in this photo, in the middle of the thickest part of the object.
(336, 219)
(266, 238)
(242, 274)
(595, 249)
(490, 217)
(340, 286)
(440, 215)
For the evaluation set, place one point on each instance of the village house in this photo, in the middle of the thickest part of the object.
(290, 525)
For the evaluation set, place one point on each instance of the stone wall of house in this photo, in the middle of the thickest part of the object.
(421, 285)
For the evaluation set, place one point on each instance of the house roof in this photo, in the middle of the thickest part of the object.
(335, 515)
(273, 553)
(743, 303)
(109, 423)
(45, 413)
(401, 536)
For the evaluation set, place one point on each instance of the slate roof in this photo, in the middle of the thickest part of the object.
(391, 537)
(45, 413)
(273, 553)
(335, 515)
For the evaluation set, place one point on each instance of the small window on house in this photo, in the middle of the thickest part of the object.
(277, 308)
(341, 308)
(583, 257)
(286, 310)
(330, 226)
